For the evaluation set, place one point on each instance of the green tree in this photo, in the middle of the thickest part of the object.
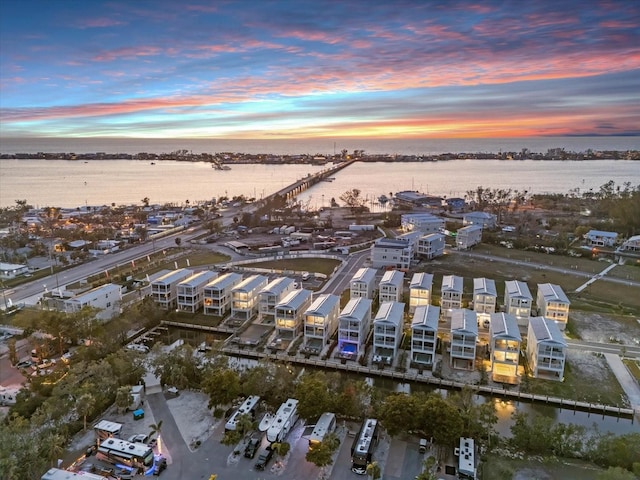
(615, 473)
(397, 413)
(84, 405)
(281, 448)
(222, 385)
(373, 471)
(13, 351)
(123, 398)
(156, 429)
(313, 394)
(321, 454)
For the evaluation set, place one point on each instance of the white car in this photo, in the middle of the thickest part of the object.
(139, 438)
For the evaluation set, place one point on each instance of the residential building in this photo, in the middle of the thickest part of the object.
(391, 286)
(363, 284)
(320, 322)
(464, 334)
(431, 246)
(504, 344)
(468, 236)
(387, 332)
(105, 299)
(485, 297)
(289, 313)
(631, 245)
(420, 290)
(190, 291)
(391, 252)
(353, 327)
(424, 335)
(484, 219)
(217, 294)
(245, 295)
(517, 300)
(553, 304)
(598, 238)
(12, 270)
(450, 294)
(421, 222)
(164, 290)
(271, 295)
(546, 349)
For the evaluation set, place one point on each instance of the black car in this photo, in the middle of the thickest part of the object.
(160, 466)
(263, 459)
(251, 448)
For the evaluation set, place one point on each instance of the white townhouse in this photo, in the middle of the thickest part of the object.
(217, 294)
(450, 294)
(553, 304)
(430, 246)
(387, 332)
(320, 322)
(484, 219)
(363, 284)
(468, 236)
(504, 344)
(353, 328)
(190, 291)
(598, 238)
(485, 297)
(391, 286)
(106, 299)
(391, 252)
(546, 349)
(464, 334)
(245, 295)
(421, 222)
(517, 300)
(424, 335)
(164, 290)
(271, 295)
(289, 313)
(420, 289)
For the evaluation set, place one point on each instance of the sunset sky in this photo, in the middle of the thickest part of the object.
(299, 69)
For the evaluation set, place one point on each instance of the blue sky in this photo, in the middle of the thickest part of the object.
(299, 69)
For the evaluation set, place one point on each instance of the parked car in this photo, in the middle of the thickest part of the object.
(263, 458)
(252, 447)
(24, 364)
(161, 465)
(139, 438)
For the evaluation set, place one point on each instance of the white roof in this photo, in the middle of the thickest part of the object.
(517, 289)
(484, 286)
(324, 305)
(452, 283)
(295, 299)
(546, 330)
(552, 293)
(393, 277)
(59, 474)
(198, 278)
(505, 325)
(277, 286)
(225, 280)
(108, 426)
(469, 228)
(391, 243)
(251, 283)
(421, 280)
(390, 312)
(464, 320)
(98, 291)
(11, 266)
(356, 308)
(600, 233)
(426, 316)
(173, 276)
(365, 275)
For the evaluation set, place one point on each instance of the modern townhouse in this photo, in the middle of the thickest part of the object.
(387, 332)
(190, 291)
(504, 344)
(245, 295)
(484, 219)
(424, 336)
(468, 236)
(164, 290)
(546, 349)
(391, 286)
(464, 335)
(320, 322)
(518, 300)
(271, 295)
(362, 284)
(553, 304)
(430, 246)
(217, 294)
(450, 294)
(420, 289)
(105, 299)
(391, 252)
(290, 312)
(485, 297)
(421, 222)
(599, 238)
(353, 328)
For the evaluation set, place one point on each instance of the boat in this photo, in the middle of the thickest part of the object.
(266, 421)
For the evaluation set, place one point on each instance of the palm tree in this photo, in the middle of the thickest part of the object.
(156, 428)
(84, 405)
(373, 471)
(54, 445)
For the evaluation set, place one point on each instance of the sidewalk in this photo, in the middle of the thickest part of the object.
(627, 382)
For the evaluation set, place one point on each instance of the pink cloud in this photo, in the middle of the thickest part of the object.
(103, 22)
(127, 52)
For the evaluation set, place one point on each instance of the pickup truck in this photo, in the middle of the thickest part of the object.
(263, 458)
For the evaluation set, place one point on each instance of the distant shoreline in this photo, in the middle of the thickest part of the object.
(274, 159)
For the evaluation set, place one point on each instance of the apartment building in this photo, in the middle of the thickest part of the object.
(553, 304)
(164, 289)
(245, 295)
(271, 295)
(464, 335)
(546, 349)
(468, 236)
(485, 297)
(320, 322)
(217, 294)
(362, 284)
(420, 289)
(424, 336)
(504, 345)
(290, 312)
(391, 252)
(450, 294)
(391, 286)
(430, 246)
(517, 300)
(387, 332)
(190, 291)
(353, 328)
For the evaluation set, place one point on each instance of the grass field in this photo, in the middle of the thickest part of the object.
(316, 265)
(632, 366)
(501, 468)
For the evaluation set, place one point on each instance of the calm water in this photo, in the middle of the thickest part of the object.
(102, 182)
